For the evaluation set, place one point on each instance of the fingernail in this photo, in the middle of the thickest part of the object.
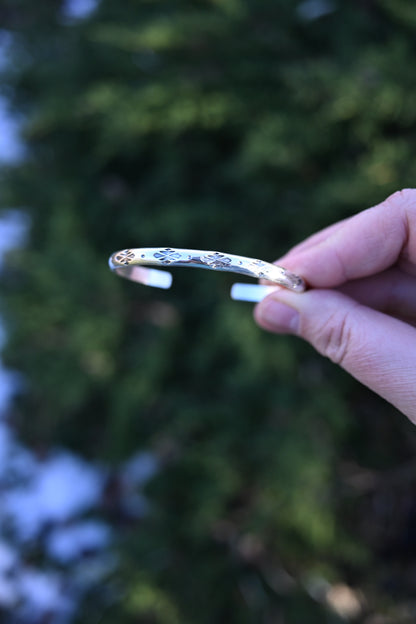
(278, 316)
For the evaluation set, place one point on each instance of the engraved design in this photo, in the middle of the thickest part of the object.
(125, 257)
(167, 256)
(295, 282)
(259, 267)
(215, 260)
(193, 257)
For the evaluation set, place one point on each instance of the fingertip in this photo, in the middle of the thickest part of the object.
(275, 316)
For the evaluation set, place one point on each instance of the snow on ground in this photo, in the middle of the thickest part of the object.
(314, 9)
(11, 148)
(52, 504)
(61, 487)
(78, 9)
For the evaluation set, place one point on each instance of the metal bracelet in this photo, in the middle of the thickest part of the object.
(132, 264)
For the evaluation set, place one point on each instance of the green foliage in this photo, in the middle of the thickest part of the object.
(222, 125)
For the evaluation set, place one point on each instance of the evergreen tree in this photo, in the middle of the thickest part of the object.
(213, 124)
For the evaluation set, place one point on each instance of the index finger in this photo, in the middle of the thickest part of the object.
(363, 245)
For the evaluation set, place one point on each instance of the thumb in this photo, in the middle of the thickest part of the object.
(378, 350)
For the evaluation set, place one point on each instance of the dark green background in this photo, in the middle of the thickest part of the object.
(213, 124)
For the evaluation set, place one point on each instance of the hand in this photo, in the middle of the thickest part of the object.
(361, 308)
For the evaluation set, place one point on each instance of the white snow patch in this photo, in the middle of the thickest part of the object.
(68, 543)
(314, 9)
(11, 147)
(62, 486)
(78, 9)
(42, 593)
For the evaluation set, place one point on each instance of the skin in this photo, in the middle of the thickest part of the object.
(360, 310)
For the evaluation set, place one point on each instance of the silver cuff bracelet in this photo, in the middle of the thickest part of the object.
(131, 264)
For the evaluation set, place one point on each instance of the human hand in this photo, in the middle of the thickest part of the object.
(361, 309)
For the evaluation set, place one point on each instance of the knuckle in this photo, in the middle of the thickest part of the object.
(404, 198)
(334, 338)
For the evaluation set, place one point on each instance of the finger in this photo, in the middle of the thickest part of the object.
(378, 350)
(367, 243)
(392, 292)
(315, 239)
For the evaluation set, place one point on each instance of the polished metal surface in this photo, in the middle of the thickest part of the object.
(132, 264)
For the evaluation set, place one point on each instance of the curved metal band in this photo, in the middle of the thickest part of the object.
(128, 263)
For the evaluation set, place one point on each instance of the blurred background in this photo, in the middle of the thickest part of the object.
(162, 459)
